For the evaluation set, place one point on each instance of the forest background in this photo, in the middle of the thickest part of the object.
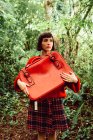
(71, 22)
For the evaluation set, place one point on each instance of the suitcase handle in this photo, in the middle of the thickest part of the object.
(35, 60)
(56, 62)
(28, 77)
(52, 58)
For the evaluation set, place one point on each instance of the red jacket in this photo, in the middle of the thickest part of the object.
(59, 93)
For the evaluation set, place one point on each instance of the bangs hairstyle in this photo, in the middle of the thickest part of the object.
(44, 35)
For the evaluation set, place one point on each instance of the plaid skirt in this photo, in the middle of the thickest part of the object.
(48, 118)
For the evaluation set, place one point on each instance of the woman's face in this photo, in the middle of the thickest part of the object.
(47, 44)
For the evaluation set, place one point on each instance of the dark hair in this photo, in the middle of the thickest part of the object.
(44, 35)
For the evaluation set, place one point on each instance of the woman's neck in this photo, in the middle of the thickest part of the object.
(43, 53)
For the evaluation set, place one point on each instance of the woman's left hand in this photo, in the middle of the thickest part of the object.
(69, 77)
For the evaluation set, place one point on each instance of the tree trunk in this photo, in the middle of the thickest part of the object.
(48, 5)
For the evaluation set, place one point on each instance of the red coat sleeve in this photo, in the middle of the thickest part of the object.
(30, 60)
(16, 87)
(74, 86)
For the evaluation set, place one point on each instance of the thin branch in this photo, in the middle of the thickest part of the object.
(86, 14)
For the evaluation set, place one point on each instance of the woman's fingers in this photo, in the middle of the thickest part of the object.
(27, 85)
(65, 75)
(69, 77)
(23, 86)
(26, 91)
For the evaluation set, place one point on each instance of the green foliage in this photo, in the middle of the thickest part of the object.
(9, 66)
(84, 65)
(9, 105)
(80, 118)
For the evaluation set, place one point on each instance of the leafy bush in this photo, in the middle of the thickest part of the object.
(80, 118)
(9, 65)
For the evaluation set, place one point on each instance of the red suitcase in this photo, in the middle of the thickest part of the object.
(43, 75)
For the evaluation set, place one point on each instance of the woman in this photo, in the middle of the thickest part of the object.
(50, 115)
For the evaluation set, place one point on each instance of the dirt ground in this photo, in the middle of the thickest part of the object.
(18, 131)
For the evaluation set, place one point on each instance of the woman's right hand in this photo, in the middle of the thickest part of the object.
(23, 86)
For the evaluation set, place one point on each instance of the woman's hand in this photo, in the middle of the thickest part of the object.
(23, 86)
(69, 77)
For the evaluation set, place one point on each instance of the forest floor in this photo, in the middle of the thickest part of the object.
(18, 130)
